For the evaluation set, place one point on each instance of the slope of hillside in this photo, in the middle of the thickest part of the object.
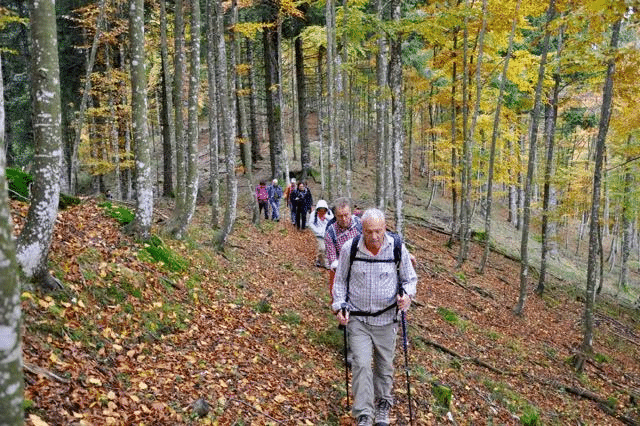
(248, 331)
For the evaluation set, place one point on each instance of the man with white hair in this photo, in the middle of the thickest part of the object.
(275, 194)
(367, 298)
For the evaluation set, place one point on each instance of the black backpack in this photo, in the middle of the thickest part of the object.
(397, 255)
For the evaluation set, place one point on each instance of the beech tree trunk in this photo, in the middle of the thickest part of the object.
(11, 381)
(494, 138)
(141, 225)
(397, 114)
(179, 104)
(380, 107)
(35, 239)
(191, 166)
(214, 128)
(627, 224)
(548, 197)
(305, 149)
(168, 135)
(454, 150)
(274, 112)
(333, 169)
(227, 125)
(256, 153)
(465, 179)
(605, 114)
(533, 139)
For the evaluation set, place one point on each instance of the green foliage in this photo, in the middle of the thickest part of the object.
(601, 358)
(530, 416)
(442, 394)
(19, 183)
(578, 117)
(27, 404)
(67, 201)
(123, 215)
(331, 337)
(263, 306)
(159, 252)
(292, 318)
(449, 316)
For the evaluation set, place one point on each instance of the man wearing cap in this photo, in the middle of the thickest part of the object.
(275, 193)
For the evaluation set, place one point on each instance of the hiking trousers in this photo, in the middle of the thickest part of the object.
(373, 348)
(275, 209)
(263, 205)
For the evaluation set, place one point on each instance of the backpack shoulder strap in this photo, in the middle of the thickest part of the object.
(352, 256)
(397, 247)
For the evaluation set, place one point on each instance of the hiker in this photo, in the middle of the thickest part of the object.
(287, 198)
(263, 199)
(302, 202)
(367, 299)
(345, 226)
(275, 193)
(318, 225)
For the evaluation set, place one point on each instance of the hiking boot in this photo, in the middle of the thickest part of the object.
(382, 412)
(364, 420)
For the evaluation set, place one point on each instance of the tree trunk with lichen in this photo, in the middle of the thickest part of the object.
(141, 225)
(11, 382)
(35, 239)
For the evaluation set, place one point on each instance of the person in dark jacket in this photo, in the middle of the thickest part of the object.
(302, 203)
(275, 194)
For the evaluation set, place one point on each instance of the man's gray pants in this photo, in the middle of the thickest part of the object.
(371, 383)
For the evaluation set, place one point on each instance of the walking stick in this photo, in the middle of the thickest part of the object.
(406, 357)
(346, 363)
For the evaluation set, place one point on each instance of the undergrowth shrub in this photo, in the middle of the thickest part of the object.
(156, 251)
(123, 215)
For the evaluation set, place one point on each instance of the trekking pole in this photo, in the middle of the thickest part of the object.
(406, 357)
(346, 362)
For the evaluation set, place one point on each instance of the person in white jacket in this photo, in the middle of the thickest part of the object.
(318, 223)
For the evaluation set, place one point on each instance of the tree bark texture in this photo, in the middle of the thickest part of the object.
(168, 135)
(397, 116)
(179, 104)
(305, 148)
(274, 113)
(605, 114)
(214, 128)
(227, 125)
(533, 139)
(11, 382)
(332, 172)
(548, 197)
(35, 239)
(192, 177)
(494, 139)
(141, 226)
(380, 106)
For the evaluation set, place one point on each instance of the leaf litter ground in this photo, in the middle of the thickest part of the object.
(249, 331)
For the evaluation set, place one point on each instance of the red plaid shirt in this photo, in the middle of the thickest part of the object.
(342, 236)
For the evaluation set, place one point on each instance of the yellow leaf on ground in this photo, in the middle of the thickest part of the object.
(37, 421)
(280, 398)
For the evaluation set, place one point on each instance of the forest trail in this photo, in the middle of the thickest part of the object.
(250, 332)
